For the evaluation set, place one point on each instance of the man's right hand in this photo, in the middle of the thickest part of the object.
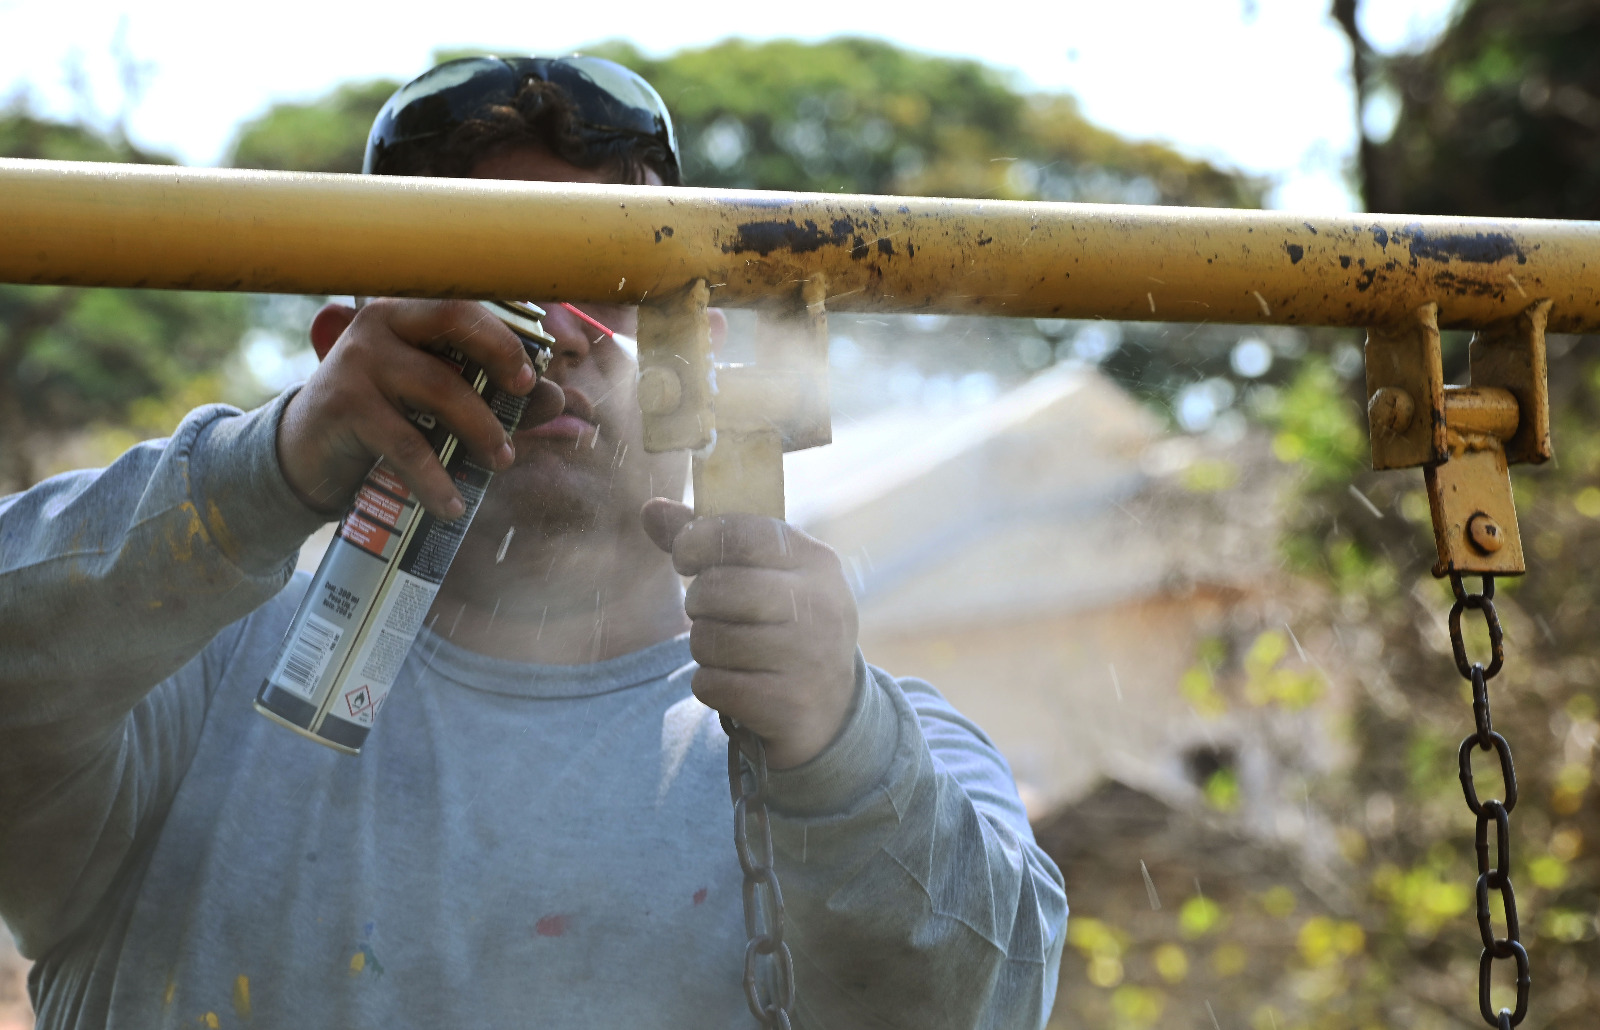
(353, 409)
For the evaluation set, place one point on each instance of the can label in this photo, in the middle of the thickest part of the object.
(366, 604)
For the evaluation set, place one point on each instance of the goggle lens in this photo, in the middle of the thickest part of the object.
(609, 99)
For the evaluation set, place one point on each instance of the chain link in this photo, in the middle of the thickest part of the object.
(1492, 812)
(771, 997)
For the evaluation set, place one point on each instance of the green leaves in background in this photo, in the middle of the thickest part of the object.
(862, 116)
(70, 358)
(327, 134)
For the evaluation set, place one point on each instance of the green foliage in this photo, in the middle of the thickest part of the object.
(1221, 790)
(1323, 941)
(1135, 1008)
(1317, 427)
(862, 116)
(1424, 898)
(116, 347)
(1209, 476)
(1500, 117)
(1268, 681)
(24, 134)
(1198, 685)
(1102, 946)
(1199, 916)
(327, 134)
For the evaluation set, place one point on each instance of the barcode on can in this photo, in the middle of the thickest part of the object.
(313, 646)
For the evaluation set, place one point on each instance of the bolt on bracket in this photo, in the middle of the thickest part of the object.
(1464, 437)
(675, 377)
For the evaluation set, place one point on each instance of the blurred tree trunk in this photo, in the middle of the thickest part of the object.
(1375, 195)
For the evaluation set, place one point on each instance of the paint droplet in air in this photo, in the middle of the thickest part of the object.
(358, 962)
(551, 926)
(700, 895)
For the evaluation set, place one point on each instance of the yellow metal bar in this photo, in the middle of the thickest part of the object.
(185, 228)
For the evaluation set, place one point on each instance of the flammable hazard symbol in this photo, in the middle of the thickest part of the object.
(359, 701)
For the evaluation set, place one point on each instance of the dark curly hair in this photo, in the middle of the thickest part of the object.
(543, 115)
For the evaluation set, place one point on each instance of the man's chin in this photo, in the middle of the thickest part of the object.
(544, 493)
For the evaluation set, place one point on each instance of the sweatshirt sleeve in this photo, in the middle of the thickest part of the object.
(915, 894)
(111, 581)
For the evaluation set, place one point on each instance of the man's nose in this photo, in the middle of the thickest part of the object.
(574, 340)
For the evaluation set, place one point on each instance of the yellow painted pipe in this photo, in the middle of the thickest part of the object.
(211, 229)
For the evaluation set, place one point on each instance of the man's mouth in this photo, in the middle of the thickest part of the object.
(564, 425)
(576, 420)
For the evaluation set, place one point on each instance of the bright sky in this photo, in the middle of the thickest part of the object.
(1261, 85)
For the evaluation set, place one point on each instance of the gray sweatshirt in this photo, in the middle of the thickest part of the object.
(517, 845)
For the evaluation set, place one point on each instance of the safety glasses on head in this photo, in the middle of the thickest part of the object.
(610, 100)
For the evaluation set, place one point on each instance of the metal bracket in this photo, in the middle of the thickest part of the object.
(1511, 355)
(675, 376)
(792, 349)
(740, 419)
(1405, 392)
(1474, 516)
(1465, 437)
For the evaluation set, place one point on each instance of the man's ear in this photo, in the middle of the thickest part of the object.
(719, 328)
(329, 324)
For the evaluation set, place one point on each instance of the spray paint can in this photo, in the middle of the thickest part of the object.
(365, 606)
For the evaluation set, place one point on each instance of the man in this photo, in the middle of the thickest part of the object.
(536, 832)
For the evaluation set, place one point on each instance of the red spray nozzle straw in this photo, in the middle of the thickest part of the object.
(627, 343)
(587, 319)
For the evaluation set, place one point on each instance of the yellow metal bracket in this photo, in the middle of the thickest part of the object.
(675, 376)
(1464, 437)
(739, 419)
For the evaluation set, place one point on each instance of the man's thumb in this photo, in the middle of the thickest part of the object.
(664, 519)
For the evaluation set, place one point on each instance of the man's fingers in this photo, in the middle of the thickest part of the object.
(417, 381)
(738, 593)
(465, 325)
(749, 647)
(663, 519)
(408, 453)
(754, 540)
(759, 700)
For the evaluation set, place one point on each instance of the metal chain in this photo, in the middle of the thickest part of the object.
(1492, 812)
(771, 997)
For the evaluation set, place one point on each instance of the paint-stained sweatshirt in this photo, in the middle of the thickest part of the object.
(517, 845)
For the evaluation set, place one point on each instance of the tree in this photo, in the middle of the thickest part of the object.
(863, 116)
(1501, 116)
(327, 134)
(71, 358)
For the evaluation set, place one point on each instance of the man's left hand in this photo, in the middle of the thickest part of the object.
(773, 625)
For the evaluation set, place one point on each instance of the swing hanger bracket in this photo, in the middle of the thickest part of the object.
(1464, 437)
(738, 419)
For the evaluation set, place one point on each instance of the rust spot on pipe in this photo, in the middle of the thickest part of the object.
(1483, 248)
(1467, 286)
(767, 236)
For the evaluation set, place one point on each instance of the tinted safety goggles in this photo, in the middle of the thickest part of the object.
(611, 100)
